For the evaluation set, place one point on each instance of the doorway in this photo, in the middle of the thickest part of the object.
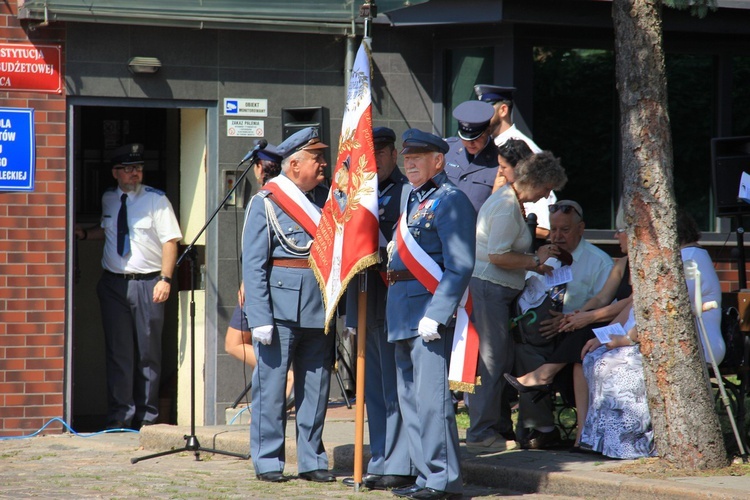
(97, 131)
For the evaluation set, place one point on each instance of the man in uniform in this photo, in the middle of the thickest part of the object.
(502, 128)
(590, 270)
(140, 251)
(284, 309)
(390, 465)
(431, 258)
(471, 162)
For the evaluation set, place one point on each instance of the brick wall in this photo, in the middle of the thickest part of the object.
(32, 259)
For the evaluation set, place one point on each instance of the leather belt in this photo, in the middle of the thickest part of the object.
(294, 263)
(394, 276)
(134, 276)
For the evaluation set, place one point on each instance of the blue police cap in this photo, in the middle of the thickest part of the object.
(383, 136)
(473, 118)
(129, 154)
(494, 93)
(416, 141)
(307, 138)
(269, 153)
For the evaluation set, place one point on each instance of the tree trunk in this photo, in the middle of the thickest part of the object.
(686, 425)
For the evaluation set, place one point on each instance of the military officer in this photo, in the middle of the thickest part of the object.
(390, 465)
(471, 162)
(284, 309)
(502, 128)
(431, 258)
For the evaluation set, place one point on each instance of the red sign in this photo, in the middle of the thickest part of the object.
(30, 68)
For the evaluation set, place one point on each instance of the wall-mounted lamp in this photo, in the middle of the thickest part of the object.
(141, 65)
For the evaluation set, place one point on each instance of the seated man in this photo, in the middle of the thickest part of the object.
(590, 269)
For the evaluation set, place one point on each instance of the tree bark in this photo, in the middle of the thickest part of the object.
(686, 425)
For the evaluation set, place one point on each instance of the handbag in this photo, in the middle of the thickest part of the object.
(527, 324)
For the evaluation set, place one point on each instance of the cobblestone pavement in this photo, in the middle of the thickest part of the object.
(66, 466)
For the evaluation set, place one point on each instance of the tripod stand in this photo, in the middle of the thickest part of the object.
(191, 441)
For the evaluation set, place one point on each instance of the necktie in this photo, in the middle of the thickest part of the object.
(123, 235)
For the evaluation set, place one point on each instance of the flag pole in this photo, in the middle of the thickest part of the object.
(367, 11)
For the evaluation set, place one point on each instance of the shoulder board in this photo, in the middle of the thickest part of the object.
(451, 140)
(154, 190)
(262, 193)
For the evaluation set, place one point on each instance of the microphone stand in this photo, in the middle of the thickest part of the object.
(191, 441)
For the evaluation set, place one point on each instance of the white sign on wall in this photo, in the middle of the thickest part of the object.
(245, 128)
(234, 106)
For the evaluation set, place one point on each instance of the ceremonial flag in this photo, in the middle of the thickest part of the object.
(346, 241)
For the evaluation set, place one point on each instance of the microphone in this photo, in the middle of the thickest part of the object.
(259, 144)
(531, 222)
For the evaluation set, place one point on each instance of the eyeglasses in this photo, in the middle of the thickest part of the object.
(128, 169)
(620, 231)
(566, 209)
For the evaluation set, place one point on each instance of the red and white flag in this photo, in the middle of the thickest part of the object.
(346, 241)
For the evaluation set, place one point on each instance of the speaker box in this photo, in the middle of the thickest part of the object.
(295, 119)
(730, 156)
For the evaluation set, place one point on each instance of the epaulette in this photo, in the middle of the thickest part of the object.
(149, 189)
(451, 140)
(262, 193)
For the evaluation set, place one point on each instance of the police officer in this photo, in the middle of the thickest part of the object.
(284, 309)
(431, 259)
(140, 251)
(502, 127)
(471, 162)
(390, 465)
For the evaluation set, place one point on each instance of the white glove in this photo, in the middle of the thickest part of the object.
(428, 329)
(263, 334)
(346, 334)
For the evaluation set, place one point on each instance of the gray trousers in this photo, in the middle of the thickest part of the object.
(389, 446)
(489, 412)
(427, 408)
(310, 352)
(132, 334)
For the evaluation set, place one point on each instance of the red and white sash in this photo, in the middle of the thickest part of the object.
(293, 201)
(462, 373)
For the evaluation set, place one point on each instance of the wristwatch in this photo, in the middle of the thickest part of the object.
(536, 259)
(167, 279)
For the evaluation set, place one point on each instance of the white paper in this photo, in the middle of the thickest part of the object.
(605, 333)
(744, 194)
(559, 276)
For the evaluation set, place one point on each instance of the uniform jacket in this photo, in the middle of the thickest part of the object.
(272, 293)
(390, 199)
(474, 177)
(444, 227)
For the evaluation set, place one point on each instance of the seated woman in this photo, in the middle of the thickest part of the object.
(688, 235)
(618, 422)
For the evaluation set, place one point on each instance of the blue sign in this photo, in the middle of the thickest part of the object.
(17, 149)
(231, 107)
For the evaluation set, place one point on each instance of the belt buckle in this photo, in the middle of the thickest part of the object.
(131, 276)
(389, 275)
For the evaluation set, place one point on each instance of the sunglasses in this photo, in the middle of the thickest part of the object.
(566, 209)
(128, 169)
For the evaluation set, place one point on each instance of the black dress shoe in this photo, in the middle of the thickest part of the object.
(271, 477)
(430, 494)
(367, 478)
(526, 388)
(319, 476)
(406, 491)
(537, 440)
(116, 425)
(389, 481)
